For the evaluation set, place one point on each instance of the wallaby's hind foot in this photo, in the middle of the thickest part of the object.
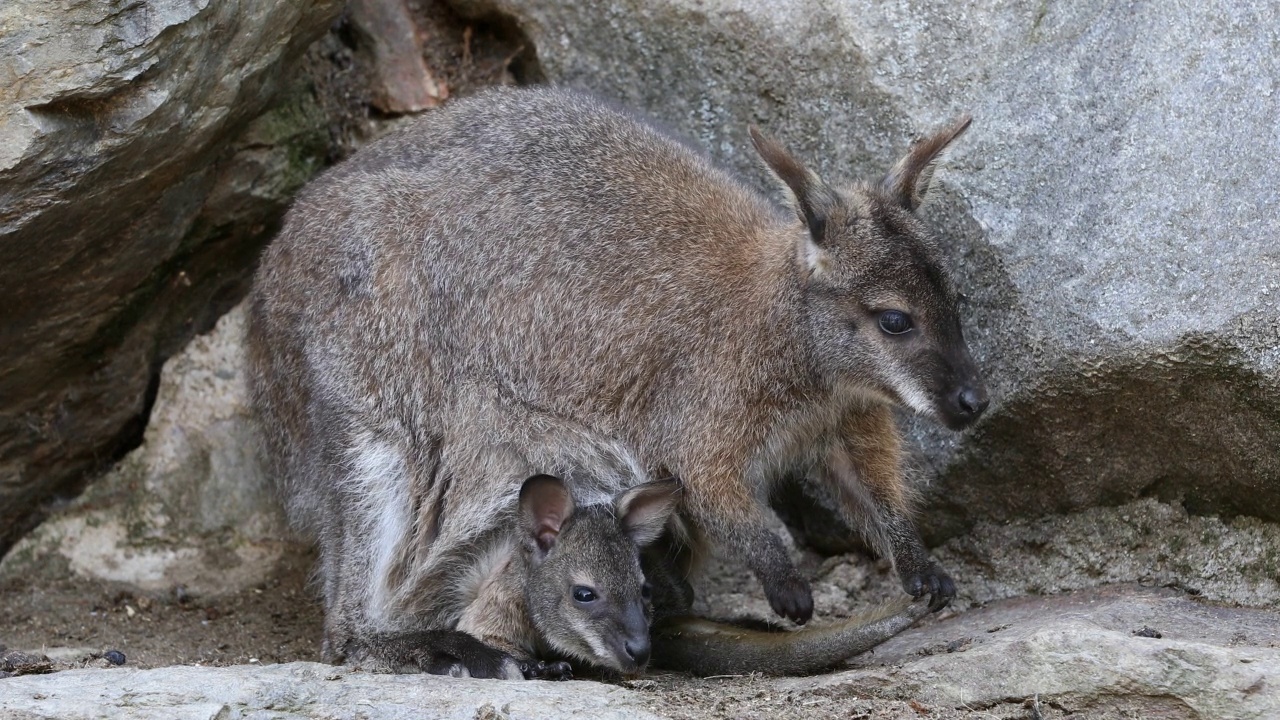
(710, 647)
(437, 652)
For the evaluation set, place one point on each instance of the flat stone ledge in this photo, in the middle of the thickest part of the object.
(304, 690)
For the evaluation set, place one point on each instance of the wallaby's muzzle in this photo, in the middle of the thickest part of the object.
(963, 405)
(630, 642)
(960, 397)
(638, 650)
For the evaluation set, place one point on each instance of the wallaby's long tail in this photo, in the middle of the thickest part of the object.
(709, 647)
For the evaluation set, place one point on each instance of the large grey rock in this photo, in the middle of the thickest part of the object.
(192, 506)
(133, 195)
(1111, 212)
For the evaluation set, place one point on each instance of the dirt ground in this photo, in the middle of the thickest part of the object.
(69, 618)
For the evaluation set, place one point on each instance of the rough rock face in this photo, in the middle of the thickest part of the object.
(191, 507)
(1109, 214)
(132, 196)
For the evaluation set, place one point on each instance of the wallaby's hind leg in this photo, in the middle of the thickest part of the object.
(341, 616)
(336, 625)
(868, 475)
(438, 652)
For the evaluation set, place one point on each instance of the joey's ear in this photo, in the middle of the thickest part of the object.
(644, 509)
(545, 505)
(908, 181)
(815, 200)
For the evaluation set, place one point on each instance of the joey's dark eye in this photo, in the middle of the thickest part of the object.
(895, 322)
(583, 594)
(646, 591)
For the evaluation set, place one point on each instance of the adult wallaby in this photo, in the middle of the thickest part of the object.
(542, 246)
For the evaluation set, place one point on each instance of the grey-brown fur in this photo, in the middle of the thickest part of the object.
(532, 270)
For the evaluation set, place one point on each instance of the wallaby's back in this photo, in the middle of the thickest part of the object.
(532, 240)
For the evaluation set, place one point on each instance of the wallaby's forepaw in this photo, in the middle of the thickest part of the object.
(791, 598)
(932, 581)
(560, 670)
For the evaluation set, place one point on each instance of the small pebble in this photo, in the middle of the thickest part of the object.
(115, 657)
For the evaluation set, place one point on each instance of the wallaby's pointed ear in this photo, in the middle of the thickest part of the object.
(908, 181)
(644, 509)
(545, 505)
(815, 200)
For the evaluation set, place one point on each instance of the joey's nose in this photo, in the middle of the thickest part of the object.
(972, 401)
(638, 651)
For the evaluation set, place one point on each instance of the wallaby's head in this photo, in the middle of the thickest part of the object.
(880, 309)
(586, 594)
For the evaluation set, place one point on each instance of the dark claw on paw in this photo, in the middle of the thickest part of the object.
(559, 670)
(792, 599)
(933, 582)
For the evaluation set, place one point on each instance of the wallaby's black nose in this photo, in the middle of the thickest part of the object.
(973, 401)
(638, 650)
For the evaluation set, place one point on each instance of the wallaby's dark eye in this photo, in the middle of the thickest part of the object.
(646, 591)
(583, 594)
(895, 322)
